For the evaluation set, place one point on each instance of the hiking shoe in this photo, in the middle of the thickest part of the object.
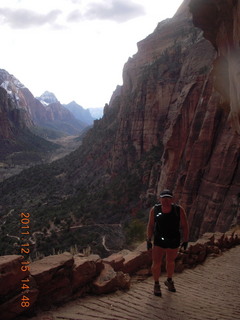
(170, 285)
(157, 290)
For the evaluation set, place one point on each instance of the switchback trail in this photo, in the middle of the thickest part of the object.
(208, 292)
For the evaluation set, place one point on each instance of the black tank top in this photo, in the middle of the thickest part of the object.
(167, 225)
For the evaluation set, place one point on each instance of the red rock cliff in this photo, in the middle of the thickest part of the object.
(166, 127)
(220, 22)
(167, 101)
(14, 110)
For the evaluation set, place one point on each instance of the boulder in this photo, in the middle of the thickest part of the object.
(84, 270)
(110, 280)
(143, 273)
(179, 266)
(53, 277)
(97, 260)
(134, 261)
(116, 261)
(139, 259)
(16, 305)
(208, 237)
(197, 247)
(11, 275)
(12, 289)
(202, 254)
(213, 250)
(237, 239)
(219, 239)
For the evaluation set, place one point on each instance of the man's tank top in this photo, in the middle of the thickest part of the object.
(167, 225)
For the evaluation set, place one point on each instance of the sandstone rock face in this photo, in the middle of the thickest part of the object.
(10, 267)
(16, 102)
(220, 21)
(52, 275)
(6, 127)
(11, 291)
(167, 102)
(85, 270)
(165, 127)
(110, 280)
(115, 260)
(133, 261)
(12, 118)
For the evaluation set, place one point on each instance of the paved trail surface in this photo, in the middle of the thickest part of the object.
(208, 292)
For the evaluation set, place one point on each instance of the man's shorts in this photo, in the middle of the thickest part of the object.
(171, 243)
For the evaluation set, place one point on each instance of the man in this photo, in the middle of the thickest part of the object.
(165, 221)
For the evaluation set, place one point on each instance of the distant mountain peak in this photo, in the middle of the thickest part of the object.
(79, 112)
(74, 103)
(47, 98)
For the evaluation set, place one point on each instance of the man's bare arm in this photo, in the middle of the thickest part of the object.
(150, 226)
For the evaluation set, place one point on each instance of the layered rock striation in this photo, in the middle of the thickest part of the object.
(165, 127)
(220, 22)
(168, 102)
(14, 114)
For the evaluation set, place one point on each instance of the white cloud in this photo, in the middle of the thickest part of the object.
(23, 15)
(84, 60)
(23, 18)
(115, 10)
(75, 16)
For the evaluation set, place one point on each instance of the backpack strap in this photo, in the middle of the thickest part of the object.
(156, 210)
(158, 206)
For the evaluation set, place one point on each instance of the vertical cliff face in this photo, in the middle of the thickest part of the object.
(13, 121)
(167, 103)
(14, 110)
(5, 125)
(165, 127)
(220, 22)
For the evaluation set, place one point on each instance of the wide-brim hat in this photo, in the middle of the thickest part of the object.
(166, 194)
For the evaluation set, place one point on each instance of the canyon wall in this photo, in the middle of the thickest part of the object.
(21, 107)
(165, 127)
(14, 115)
(168, 102)
(220, 22)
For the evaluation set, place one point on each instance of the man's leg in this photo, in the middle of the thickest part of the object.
(171, 255)
(157, 255)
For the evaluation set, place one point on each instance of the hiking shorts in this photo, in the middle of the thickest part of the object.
(171, 243)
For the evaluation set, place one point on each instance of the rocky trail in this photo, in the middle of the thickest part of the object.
(208, 292)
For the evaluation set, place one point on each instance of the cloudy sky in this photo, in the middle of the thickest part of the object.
(75, 48)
